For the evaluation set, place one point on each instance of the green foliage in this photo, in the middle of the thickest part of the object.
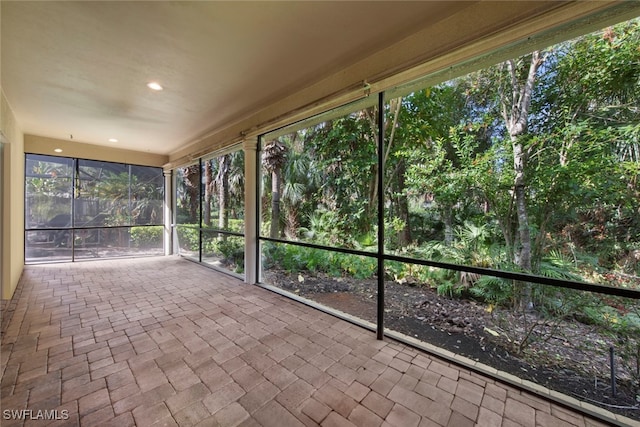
(232, 250)
(449, 158)
(236, 225)
(449, 289)
(296, 259)
(145, 237)
(48, 186)
(189, 237)
(395, 270)
(326, 228)
(493, 290)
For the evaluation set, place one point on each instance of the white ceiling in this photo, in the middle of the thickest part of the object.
(81, 68)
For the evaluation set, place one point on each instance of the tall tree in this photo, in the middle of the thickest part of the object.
(516, 103)
(222, 182)
(190, 176)
(273, 160)
(588, 136)
(433, 125)
(208, 191)
(345, 153)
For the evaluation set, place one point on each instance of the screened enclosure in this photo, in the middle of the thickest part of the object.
(83, 209)
(494, 212)
(209, 211)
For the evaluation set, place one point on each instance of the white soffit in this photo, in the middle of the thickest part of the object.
(81, 68)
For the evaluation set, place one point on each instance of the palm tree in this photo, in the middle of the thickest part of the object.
(301, 181)
(190, 176)
(208, 191)
(222, 182)
(273, 160)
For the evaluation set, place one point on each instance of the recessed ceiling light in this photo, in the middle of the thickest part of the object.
(154, 86)
(113, 140)
(58, 150)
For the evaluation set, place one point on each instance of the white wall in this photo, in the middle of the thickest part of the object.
(12, 192)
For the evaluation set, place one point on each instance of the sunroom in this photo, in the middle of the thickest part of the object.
(460, 178)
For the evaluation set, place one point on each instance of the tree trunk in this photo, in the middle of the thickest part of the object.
(515, 112)
(523, 260)
(191, 175)
(208, 190)
(404, 239)
(524, 256)
(223, 193)
(274, 159)
(291, 224)
(275, 203)
(395, 105)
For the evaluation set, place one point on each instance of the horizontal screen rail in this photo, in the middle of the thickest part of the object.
(512, 275)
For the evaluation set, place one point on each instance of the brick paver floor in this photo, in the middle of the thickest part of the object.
(164, 342)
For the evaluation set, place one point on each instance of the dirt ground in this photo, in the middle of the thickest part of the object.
(569, 357)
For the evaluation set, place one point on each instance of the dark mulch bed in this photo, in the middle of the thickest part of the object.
(569, 357)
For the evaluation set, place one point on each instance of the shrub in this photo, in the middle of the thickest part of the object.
(188, 237)
(232, 250)
(297, 258)
(145, 237)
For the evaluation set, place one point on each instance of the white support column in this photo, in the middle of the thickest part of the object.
(168, 212)
(250, 147)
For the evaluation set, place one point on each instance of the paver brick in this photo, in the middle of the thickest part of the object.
(149, 415)
(162, 342)
(94, 401)
(489, 418)
(382, 386)
(357, 391)
(322, 362)
(97, 418)
(192, 415)
(459, 420)
(122, 420)
(493, 404)
(496, 391)
(275, 415)
(544, 419)
(342, 373)
(75, 391)
(378, 404)
(315, 410)
(124, 392)
(232, 365)
(400, 365)
(534, 402)
(464, 407)
(258, 396)
(447, 384)
(402, 417)
(247, 377)
(279, 376)
(445, 370)
(221, 398)
(295, 394)
(187, 397)
(335, 399)
(313, 375)
(519, 412)
(408, 382)
(231, 415)
(434, 393)
(363, 417)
